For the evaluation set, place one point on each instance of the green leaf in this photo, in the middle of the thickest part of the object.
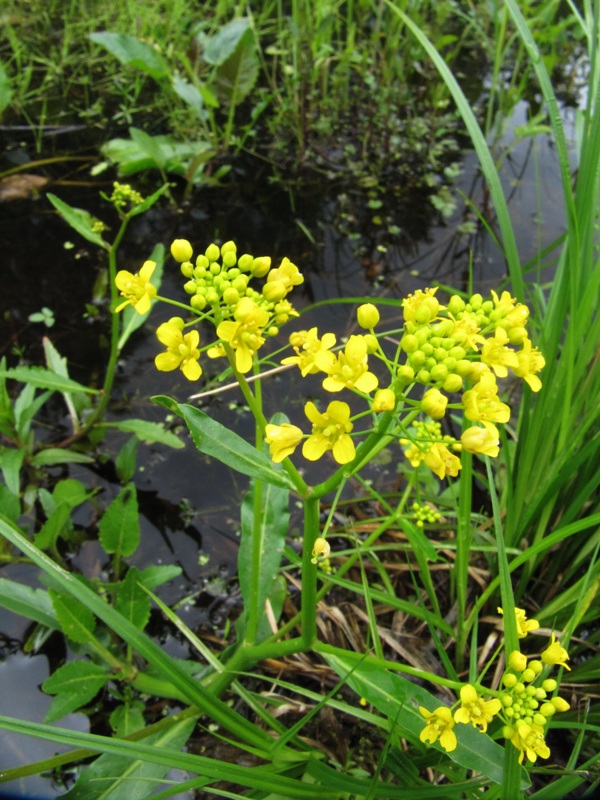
(257, 576)
(58, 455)
(133, 53)
(154, 576)
(9, 503)
(76, 621)
(11, 461)
(126, 459)
(119, 528)
(79, 219)
(224, 42)
(132, 601)
(70, 491)
(150, 145)
(5, 89)
(132, 159)
(237, 76)
(33, 604)
(190, 95)
(216, 440)
(43, 378)
(398, 699)
(127, 718)
(148, 432)
(58, 522)
(75, 684)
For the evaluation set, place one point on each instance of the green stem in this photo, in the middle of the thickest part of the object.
(308, 611)
(463, 548)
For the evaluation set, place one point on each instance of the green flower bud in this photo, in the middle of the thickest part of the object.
(423, 376)
(202, 261)
(536, 666)
(475, 301)
(528, 676)
(405, 374)
(189, 287)
(230, 296)
(453, 383)
(456, 304)
(417, 359)
(548, 709)
(245, 262)
(439, 372)
(181, 250)
(198, 302)
(371, 342)
(384, 400)
(457, 352)
(487, 306)
(509, 680)
(260, 266)
(549, 684)
(228, 247)
(187, 269)
(506, 700)
(539, 719)
(560, 704)
(367, 316)
(409, 343)
(434, 403)
(229, 259)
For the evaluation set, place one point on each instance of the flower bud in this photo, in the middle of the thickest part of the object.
(212, 252)
(517, 661)
(260, 266)
(405, 374)
(528, 675)
(384, 400)
(371, 342)
(539, 719)
(321, 549)
(549, 685)
(547, 709)
(273, 291)
(181, 250)
(452, 383)
(560, 704)
(367, 316)
(198, 302)
(434, 403)
(509, 680)
(456, 305)
(409, 343)
(536, 665)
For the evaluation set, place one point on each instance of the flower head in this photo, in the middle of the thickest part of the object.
(524, 625)
(529, 740)
(482, 441)
(321, 550)
(136, 289)
(439, 726)
(282, 440)
(330, 432)
(182, 349)
(555, 654)
(441, 461)
(421, 306)
(482, 403)
(244, 332)
(475, 710)
(350, 369)
(312, 354)
(496, 355)
(530, 361)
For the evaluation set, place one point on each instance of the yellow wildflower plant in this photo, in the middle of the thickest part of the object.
(440, 726)
(497, 355)
(351, 370)
(330, 431)
(182, 349)
(422, 306)
(282, 440)
(482, 403)
(524, 625)
(482, 441)
(136, 289)
(441, 461)
(529, 741)
(530, 362)
(434, 403)
(474, 710)
(555, 654)
(321, 550)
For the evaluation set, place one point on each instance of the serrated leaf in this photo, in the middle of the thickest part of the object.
(127, 719)
(154, 576)
(79, 219)
(76, 620)
(399, 699)
(119, 528)
(148, 432)
(75, 684)
(216, 440)
(43, 378)
(133, 53)
(112, 777)
(132, 601)
(33, 604)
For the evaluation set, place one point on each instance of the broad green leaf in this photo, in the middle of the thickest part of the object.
(258, 571)
(11, 461)
(154, 576)
(75, 684)
(119, 528)
(148, 432)
(216, 440)
(222, 45)
(43, 378)
(133, 53)
(58, 455)
(10, 503)
(5, 89)
(33, 604)
(399, 699)
(57, 524)
(131, 158)
(236, 76)
(71, 491)
(79, 219)
(127, 718)
(150, 146)
(132, 601)
(190, 95)
(76, 621)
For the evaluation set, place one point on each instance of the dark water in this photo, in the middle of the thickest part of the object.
(189, 506)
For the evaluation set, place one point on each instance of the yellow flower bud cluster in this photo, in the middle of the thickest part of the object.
(427, 444)
(124, 195)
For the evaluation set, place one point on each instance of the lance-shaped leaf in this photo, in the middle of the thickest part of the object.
(75, 684)
(133, 53)
(132, 601)
(79, 219)
(120, 526)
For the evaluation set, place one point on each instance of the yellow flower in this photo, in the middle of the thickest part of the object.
(555, 654)
(181, 250)
(439, 726)
(496, 355)
(466, 332)
(330, 432)
(475, 710)
(434, 403)
(350, 370)
(441, 461)
(182, 349)
(244, 334)
(136, 289)
(321, 550)
(312, 354)
(282, 280)
(529, 740)
(482, 403)
(530, 361)
(421, 307)
(482, 441)
(384, 400)
(524, 625)
(282, 440)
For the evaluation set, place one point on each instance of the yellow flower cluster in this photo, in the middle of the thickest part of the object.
(424, 514)
(429, 445)
(220, 289)
(525, 702)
